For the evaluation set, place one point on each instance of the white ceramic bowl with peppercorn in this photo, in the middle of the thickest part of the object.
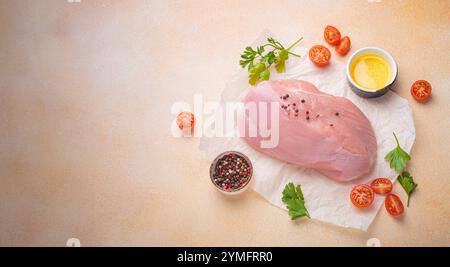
(231, 172)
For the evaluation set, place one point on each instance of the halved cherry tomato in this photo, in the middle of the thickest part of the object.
(393, 205)
(421, 90)
(185, 120)
(332, 35)
(362, 196)
(319, 55)
(344, 46)
(381, 186)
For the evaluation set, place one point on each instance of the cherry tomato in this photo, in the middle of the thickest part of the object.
(185, 120)
(344, 46)
(393, 205)
(332, 35)
(362, 196)
(421, 90)
(381, 186)
(319, 55)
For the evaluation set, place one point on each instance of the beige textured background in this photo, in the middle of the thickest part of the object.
(85, 96)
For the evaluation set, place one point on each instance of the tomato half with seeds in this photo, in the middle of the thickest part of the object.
(362, 196)
(421, 90)
(185, 120)
(381, 186)
(319, 55)
(394, 205)
(332, 35)
(344, 46)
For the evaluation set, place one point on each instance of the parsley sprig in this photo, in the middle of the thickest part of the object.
(397, 157)
(407, 182)
(259, 60)
(294, 200)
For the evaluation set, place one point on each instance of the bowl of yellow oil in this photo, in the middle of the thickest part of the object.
(371, 71)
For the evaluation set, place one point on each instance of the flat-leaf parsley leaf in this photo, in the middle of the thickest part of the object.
(293, 198)
(407, 182)
(258, 61)
(397, 157)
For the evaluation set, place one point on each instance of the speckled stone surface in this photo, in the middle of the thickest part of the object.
(85, 144)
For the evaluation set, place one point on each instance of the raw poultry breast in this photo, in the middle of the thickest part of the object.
(316, 130)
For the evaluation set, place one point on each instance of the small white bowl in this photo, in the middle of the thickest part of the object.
(372, 93)
(239, 190)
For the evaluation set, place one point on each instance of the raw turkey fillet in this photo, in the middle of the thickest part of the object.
(316, 130)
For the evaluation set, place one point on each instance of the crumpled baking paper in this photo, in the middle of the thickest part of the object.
(325, 199)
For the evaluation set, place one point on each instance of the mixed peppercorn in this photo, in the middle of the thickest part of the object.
(231, 172)
(293, 107)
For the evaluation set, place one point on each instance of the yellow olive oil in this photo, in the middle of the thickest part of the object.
(370, 71)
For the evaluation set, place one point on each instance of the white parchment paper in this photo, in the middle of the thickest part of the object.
(325, 199)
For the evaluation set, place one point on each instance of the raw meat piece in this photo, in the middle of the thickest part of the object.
(316, 130)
